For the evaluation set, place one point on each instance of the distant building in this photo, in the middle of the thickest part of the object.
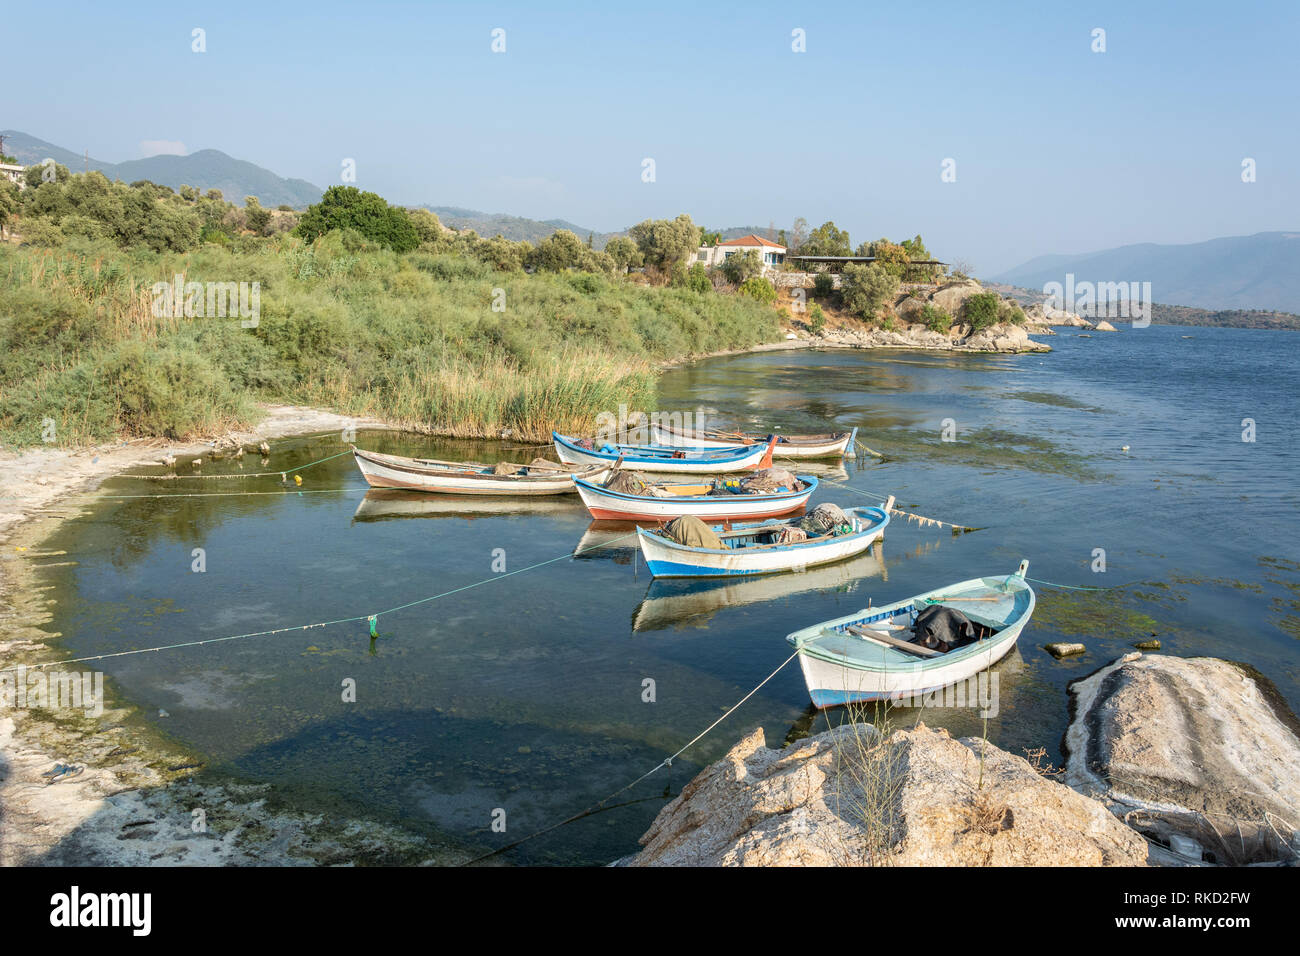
(13, 173)
(770, 253)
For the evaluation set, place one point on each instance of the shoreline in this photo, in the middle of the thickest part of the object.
(132, 770)
(137, 799)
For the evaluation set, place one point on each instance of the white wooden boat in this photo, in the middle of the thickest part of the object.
(466, 478)
(752, 548)
(833, 445)
(689, 602)
(865, 656)
(659, 459)
(668, 500)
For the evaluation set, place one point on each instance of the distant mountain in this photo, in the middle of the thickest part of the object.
(1238, 272)
(204, 170)
(515, 228)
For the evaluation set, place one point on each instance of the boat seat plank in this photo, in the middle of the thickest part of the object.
(881, 637)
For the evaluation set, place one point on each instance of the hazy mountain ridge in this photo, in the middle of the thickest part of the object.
(204, 170)
(1234, 273)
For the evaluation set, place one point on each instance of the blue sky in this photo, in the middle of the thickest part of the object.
(1057, 148)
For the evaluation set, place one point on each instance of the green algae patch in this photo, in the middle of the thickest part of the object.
(1000, 448)
(1051, 398)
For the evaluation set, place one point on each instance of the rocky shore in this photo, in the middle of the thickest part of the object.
(1171, 762)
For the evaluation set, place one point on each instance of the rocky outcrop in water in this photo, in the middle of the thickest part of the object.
(848, 797)
(1196, 753)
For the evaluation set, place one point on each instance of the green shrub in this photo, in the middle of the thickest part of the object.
(866, 289)
(981, 311)
(936, 319)
(816, 319)
(741, 266)
(823, 285)
(756, 287)
(697, 279)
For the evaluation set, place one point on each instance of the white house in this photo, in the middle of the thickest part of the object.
(770, 253)
(13, 173)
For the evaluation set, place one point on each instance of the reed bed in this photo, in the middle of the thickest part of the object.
(440, 344)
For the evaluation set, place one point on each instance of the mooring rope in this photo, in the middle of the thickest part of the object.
(250, 474)
(372, 618)
(910, 516)
(666, 762)
(1079, 587)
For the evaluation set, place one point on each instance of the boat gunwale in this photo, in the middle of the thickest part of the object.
(1009, 630)
(810, 482)
(691, 454)
(819, 541)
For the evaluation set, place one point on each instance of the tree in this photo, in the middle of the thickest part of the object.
(697, 279)
(826, 240)
(346, 207)
(8, 203)
(559, 251)
(666, 244)
(890, 256)
(798, 234)
(756, 287)
(255, 216)
(740, 266)
(866, 288)
(624, 252)
(428, 227)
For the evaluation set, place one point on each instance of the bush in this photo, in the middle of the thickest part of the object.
(816, 319)
(741, 266)
(936, 319)
(756, 287)
(1010, 311)
(866, 289)
(697, 279)
(823, 285)
(981, 311)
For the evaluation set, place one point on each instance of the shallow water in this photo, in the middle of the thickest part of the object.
(525, 693)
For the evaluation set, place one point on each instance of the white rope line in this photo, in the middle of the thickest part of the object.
(666, 762)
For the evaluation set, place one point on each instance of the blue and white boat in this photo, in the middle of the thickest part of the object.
(662, 458)
(865, 656)
(755, 547)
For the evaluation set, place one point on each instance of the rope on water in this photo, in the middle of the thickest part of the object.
(372, 619)
(666, 762)
(910, 516)
(1078, 587)
(250, 474)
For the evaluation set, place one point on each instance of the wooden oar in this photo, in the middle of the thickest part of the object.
(880, 637)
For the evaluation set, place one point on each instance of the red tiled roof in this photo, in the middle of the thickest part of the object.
(752, 240)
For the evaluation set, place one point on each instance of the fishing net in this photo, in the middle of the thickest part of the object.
(827, 519)
(545, 464)
(769, 480)
(691, 531)
(791, 536)
(628, 483)
(505, 468)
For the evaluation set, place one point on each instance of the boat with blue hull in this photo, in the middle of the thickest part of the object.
(866, 656)
(760, 547)
(663, 458)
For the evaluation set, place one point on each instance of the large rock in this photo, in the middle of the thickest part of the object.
(1003, 337)
(953, 295)
(1189, 748)
(845, 797)
(1104, 326)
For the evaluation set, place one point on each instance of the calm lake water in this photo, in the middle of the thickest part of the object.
(525, 694)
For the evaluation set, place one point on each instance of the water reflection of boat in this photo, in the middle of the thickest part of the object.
(669, 602)
(610, 541)
(381, 504)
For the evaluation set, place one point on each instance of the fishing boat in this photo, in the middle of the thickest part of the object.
(711, 501)
(659, 458)
(687, 603)
(866, 656)
(468, 478)
(833, 445)
(757, 548)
